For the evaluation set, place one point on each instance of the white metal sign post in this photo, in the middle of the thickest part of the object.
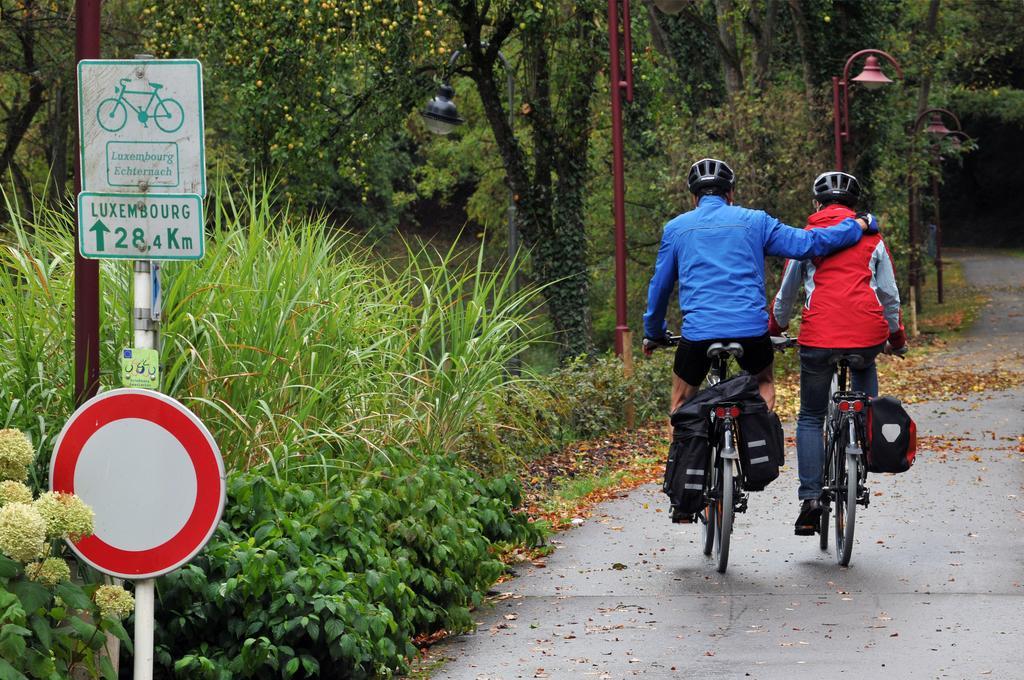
(143, 165)
(154, 477)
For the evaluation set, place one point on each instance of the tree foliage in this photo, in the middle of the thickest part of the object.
(326, 95)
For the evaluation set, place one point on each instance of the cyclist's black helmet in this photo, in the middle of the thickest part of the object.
(710, 176)
(837, 187)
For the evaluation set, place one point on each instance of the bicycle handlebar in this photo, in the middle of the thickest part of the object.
(779, 343)
(782, 342)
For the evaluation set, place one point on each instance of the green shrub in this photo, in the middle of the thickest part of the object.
(583, 400)
(304, 581)
(45, 631)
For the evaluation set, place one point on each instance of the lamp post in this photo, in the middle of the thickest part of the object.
(938, 130)
(87, 272)
(441, 117)
(620, 45)
(872, 77)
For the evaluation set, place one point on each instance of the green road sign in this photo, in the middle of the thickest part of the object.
(140, 227)
(140, 123)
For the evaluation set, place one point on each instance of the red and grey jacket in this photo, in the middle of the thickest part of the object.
(852, 298)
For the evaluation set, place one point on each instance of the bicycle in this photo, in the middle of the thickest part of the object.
(844, 477)
(723, 478)
(167, 113)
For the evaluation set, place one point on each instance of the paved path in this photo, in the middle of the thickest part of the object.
(934, 589)
(999, 331)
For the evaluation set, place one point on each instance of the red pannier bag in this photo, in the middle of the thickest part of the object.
(892, 436)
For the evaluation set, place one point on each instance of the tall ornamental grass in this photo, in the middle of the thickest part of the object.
(300, 349)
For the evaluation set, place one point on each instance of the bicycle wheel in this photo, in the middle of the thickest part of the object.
(111, 114)
(169, 115)
(846, 506)
(724, 514)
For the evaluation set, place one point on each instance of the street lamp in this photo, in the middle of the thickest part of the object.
(441, 117)
(938, 131)
(872, 78)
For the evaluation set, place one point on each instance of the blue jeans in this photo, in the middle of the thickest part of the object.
(815, 381)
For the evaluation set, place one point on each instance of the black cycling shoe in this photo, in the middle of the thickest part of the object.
(807, 521)
(682, 518)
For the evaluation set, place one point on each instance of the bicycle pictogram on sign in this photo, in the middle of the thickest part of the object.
(166, 112)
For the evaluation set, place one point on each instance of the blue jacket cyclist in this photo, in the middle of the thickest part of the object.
(716, 254)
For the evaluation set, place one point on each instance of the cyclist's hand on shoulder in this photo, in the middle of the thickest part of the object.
(651, 344)
(868, 223)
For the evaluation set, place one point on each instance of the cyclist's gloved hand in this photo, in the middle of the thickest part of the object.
(898, 339)
(871, 222)
(651, 344)
(773, 325)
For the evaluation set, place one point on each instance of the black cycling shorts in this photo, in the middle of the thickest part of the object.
(692, 362)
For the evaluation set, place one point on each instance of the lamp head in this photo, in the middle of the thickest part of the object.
(440, 114)
(670, 6)
(936, 126)
(872, 76)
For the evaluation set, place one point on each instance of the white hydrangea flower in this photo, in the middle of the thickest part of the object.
(50, 572)
(22, 532)
(16, 454)
(66, 515)
(114, 601)
(14, 492)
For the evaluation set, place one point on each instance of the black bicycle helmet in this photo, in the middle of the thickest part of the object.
(708, 175)
(837, 187)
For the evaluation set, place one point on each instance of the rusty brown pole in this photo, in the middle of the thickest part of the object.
(87, 272)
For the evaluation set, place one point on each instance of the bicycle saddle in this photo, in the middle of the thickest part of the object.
(717, 349)
(156, 86)
(852, 360)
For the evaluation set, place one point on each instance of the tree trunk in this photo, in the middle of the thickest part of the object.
(21, 118)
(548, 190)
(570, 304)
(725, 11)
(58, 146)
(763, 28)
(917, 276)
(800, 28)
(929, 36)
(659, 39)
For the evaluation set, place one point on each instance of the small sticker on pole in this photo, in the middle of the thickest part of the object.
(140, 368)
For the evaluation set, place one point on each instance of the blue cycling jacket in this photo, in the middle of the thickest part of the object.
(716, 253)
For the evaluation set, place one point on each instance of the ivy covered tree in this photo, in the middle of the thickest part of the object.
(561, 47)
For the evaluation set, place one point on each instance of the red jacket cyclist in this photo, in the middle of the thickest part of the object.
(852, 306)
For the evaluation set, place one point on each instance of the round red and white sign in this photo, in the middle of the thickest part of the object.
(151, 472)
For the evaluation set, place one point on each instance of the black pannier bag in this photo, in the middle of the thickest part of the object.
(690, 450)
(684, 473)
(762, 446)
(892, 436)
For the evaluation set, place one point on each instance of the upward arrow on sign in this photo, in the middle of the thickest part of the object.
(100, 230)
